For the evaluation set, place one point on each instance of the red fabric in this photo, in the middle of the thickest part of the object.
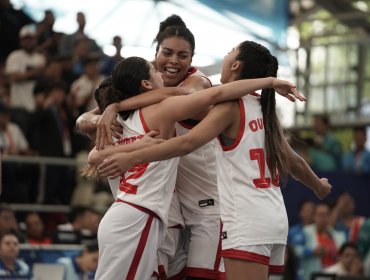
(326, 241)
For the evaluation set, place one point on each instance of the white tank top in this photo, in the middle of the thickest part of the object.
(196, 176)
(149, 185)
(252, 206)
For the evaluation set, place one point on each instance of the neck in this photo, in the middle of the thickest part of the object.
(80, 263)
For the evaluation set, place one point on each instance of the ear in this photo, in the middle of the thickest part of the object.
(236, 66)
(146, 84)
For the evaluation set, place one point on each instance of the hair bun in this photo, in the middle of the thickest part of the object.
(170, 21)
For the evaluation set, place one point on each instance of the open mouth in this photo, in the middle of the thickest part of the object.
(171, 71)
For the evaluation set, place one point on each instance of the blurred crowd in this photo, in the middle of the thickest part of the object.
(80, 227)
(47, 80)
(330, 239)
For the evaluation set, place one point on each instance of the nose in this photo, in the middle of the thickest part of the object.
(174, 59)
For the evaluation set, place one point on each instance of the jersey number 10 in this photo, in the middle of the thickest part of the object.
(263, 181)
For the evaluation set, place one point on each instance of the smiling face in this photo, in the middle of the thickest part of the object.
(173, 60)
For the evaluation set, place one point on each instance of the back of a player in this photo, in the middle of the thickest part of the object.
(253, 213)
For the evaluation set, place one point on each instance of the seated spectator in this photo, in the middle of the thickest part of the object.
(296, 237)
(9, 251)
(82, 266)
(83, 226)
(12, 139)
(35, 229)
(8, 222)
(343, 217)
(322, 242)
(358, 159)
(363, 244)
(347, 255)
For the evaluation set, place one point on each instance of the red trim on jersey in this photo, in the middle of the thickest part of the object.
(178, 276)
(276, 268)
(241, 129)
(255, 94)
(191, 71)
(139, 250)
(142, 209)
(201, 272)
(244, 255)
(145, 126)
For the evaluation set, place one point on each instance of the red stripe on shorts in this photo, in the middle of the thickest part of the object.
(276, 268)
(244, 255)
(139, 250)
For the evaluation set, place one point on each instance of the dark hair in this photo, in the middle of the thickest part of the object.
(124, 83)
(304, 202)
(92, 247)
(174, 26)
(324, 118)
(347, 245)
(78, 211)
(9, 232)
(258, 62)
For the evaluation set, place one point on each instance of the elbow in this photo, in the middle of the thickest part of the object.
(93, 158)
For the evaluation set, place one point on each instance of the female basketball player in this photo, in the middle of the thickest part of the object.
(251, 155)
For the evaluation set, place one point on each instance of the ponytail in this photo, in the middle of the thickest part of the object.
(273, 131)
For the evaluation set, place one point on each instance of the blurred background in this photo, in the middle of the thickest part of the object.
(322, 45)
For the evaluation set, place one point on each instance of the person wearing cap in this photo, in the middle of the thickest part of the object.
(22, 67)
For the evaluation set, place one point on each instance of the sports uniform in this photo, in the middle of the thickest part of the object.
(133, 227)
(197, 190)
(255, 224)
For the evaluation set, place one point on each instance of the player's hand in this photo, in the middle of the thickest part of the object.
(149, 139)
(287, 90)
(107, 127)
(114, 165)
(324, 189)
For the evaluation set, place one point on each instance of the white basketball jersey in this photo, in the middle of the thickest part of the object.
(196, 176)
(149, 185)
(252, 206)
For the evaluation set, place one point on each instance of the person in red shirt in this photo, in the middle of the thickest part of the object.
(35, 229)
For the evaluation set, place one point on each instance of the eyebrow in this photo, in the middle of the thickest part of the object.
(169, 49)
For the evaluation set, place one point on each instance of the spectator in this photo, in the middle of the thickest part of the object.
(10, 265)
(23, 66)
(35, 229)
(54, 125)
(109, 62)
(12, 21)
(68, 42)
(358, 160)
(343, 218)
(17, 177)
(322, 242)
(326, 143)
(347, 255)
(8, 222)
(84, 223)
(12, 139)
(296, 237)
(363, 243)
(82, 266)
(47, 38)
(82, 90)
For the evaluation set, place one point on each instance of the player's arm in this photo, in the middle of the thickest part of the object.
(86, 123)
(210, 127)
(96, 157)
(300, 170)
(103, 126)
(182, 107)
